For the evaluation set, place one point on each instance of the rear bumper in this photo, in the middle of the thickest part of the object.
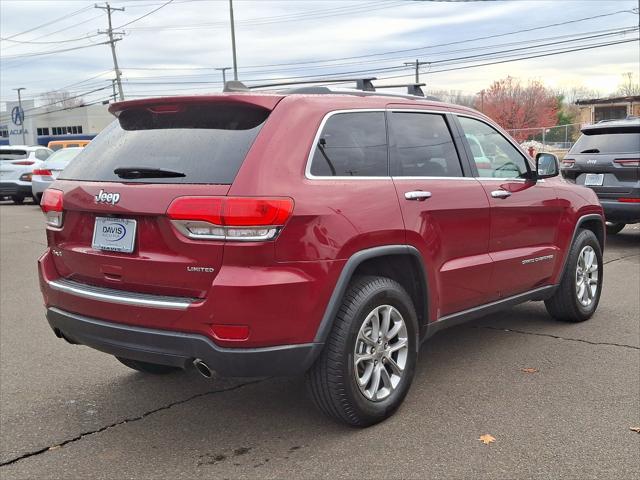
(179, 349)
(15, 188)
(39, 184)
(619, 212)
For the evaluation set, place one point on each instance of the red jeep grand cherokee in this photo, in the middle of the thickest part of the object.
(257, 234)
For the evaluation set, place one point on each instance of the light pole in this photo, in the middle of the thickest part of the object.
(233, 41)
(24, 141)
(224, 76)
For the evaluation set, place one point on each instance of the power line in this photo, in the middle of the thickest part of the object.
(64, 17)
(145, 15)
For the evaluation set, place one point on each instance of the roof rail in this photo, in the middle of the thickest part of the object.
(363, 84)
(412, 88)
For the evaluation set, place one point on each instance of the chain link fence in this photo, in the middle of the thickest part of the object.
(558, 139)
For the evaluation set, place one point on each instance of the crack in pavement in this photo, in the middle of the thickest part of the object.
(122, 422)
(633, 347)
(621, 258)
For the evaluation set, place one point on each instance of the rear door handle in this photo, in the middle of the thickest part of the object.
(500, 194)
(417, 195)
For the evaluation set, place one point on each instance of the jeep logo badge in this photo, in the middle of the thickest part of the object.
(104, 197)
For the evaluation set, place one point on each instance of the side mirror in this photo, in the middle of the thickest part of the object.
(546, 165)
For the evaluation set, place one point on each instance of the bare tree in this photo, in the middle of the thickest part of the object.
(60, 99)
(457, 97)
(628, 87)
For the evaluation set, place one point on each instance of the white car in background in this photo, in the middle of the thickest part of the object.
(45, 173)
(16, 166)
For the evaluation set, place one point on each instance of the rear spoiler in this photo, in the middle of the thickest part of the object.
(266, 101)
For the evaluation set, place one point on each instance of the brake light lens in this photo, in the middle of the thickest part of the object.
(230, 218)
(628, 162)
(629, 200)
(23, 162)
(568, 163)
(230, 332)
(52, 207)
(42, 171)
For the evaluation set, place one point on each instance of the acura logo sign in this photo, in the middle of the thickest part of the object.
(17, 115)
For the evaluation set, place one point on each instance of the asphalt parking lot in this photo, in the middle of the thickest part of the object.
(560, 400)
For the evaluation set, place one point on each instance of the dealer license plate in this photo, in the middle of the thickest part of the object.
(114, 234)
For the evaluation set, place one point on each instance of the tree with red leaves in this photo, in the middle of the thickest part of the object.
(516, 106)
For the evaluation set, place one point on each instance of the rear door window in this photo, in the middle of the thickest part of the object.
(352, 144)
(420, 145)
(202, 143)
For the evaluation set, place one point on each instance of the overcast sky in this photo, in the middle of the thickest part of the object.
(184, 40)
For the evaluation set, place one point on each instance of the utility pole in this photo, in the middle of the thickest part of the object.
(233, 42)
(113, 86)
(417, 64)
(482, 100)
(224, 76)
(112, 42)
(24, 141)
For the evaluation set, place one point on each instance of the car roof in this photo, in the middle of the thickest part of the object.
(22, 147)
(332, 99)
(627, 124)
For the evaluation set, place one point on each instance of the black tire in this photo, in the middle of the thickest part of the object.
(38, 199)
(18, 199)
(331, 380)
(613, 228)
(145, 367)
(565, 305)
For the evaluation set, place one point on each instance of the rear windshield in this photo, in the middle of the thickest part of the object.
(12, 154)
(201, 143)
(608, 143)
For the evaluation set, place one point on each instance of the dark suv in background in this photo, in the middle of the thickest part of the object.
(606, 158)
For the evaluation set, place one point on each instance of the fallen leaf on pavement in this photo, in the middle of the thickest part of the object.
(487, 439)
(635, 429)
(529, 370)
(55, 447)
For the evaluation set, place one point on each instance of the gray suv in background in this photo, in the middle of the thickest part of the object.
(606, 158)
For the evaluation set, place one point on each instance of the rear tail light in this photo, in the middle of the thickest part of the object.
(629, 200)
(51, 205)
(247, 219)
(42, 171)
(628, 162)
(568, 163)
(23, 162)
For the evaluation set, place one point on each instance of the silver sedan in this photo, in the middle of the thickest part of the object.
(46, 173)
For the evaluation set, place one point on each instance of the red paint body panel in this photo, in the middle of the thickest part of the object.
(472, 245)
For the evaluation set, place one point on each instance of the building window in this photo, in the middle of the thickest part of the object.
(4, 133)
(43, 131)
(75, 129)
(612, 112)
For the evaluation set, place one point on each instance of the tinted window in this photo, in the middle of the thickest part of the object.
(207, 143)
(42, 154)
(494, 155)
(420, 145)
(352, 145)
(608, 143)
(12, 154)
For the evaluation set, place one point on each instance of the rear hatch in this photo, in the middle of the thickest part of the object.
(14, 163)
(606, 158)
(117, 191)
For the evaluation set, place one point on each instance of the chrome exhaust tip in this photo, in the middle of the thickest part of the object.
(202, 368)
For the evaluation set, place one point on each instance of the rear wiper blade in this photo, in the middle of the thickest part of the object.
(146, 172)
(591, 150)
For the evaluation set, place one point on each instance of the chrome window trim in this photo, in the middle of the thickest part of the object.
(395, 177)
(111, 295)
